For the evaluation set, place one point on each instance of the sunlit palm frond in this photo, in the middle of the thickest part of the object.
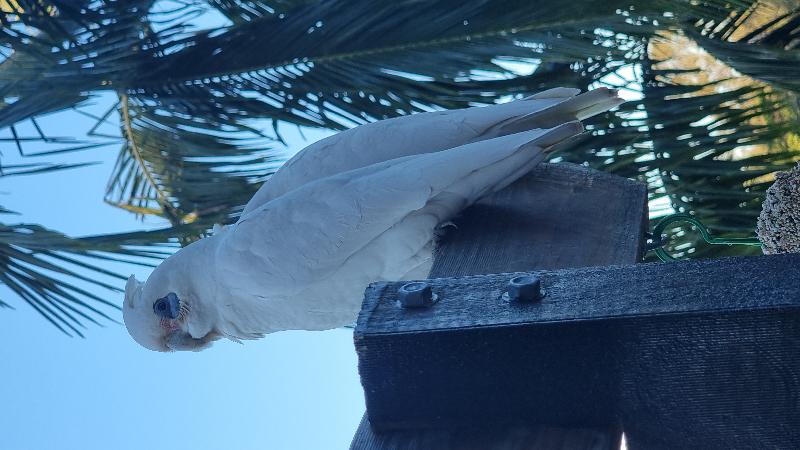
(334, 63)
(185, 168)
(706, 147)
(770, 53)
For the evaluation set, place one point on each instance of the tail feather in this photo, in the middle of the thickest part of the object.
(527, 149)
(572, 108)
(596, 102)
(559, 134)
(556, 138)
(429, 133)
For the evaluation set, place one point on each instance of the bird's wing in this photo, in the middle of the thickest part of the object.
(427, 133)
(305, 236)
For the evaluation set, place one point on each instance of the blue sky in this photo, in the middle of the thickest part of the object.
(291, 390)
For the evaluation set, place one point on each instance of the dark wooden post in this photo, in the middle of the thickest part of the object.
(559, 216)
(694, 354)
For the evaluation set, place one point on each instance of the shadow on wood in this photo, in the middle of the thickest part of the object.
(557, 217)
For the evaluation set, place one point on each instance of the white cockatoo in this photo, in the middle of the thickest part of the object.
(360, 206)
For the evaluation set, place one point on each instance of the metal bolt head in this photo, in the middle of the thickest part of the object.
(524, 288)
(416, 295)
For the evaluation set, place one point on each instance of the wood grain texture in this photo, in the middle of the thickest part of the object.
(558, 216)
(695, 354)
(506, 438)
(590, 294)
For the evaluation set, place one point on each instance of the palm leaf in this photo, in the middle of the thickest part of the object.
(326, 69)
(46, 270)
(708, 149)
(768, 53)
(177, 167)
(249, 10)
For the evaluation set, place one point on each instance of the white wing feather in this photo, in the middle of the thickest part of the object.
(357, 207)
(428, 133)
(308, 254)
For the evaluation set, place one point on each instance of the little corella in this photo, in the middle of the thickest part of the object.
(360, 206)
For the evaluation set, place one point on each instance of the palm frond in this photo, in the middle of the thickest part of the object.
(708, 149)
(46, 270)
(249, 10)
(31, 169)
(184, 168)
(324, 68)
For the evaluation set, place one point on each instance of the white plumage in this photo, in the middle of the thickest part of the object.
(357, 207)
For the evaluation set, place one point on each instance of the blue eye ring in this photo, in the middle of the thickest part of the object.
(168, 306)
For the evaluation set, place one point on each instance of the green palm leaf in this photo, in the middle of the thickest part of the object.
(184, 168)
(58, 276)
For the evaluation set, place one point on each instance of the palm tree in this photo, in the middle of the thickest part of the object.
(200, 111)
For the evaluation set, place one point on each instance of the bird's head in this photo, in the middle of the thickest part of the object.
(157, 313)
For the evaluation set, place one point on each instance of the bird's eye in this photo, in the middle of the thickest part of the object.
(167, 307)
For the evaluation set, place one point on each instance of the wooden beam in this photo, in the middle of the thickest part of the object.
(524, 437)
(700, 354)
(558, 216)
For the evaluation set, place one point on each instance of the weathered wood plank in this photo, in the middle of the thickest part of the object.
(695, 354)
(506, 438)
(558, 216)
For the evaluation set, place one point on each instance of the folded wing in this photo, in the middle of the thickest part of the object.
(428, 133)
(337, 234)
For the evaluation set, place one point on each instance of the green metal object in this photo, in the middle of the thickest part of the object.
(657, 241)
